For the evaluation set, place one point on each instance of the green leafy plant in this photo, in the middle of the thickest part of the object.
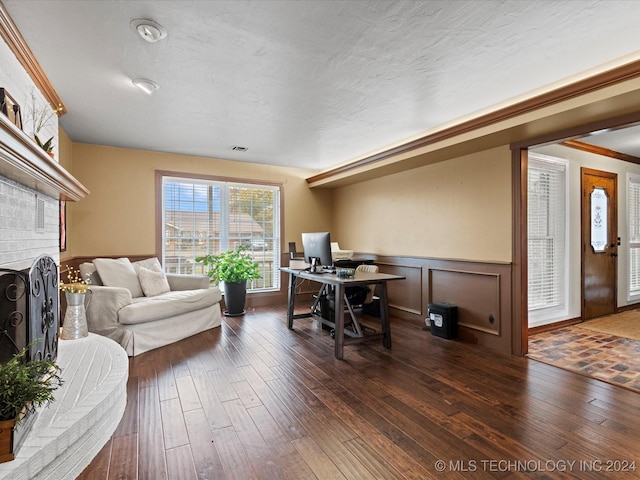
(46, 146)
(235, 265)
(26, 385)
(39, 119)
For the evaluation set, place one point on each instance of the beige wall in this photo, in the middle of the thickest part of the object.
(457, 209)
(118, 217)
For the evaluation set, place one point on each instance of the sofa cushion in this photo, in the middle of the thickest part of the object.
(184, 281)
(170, 304)
(152, 282)
(119, 273)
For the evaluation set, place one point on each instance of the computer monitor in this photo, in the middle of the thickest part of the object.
(317, 245)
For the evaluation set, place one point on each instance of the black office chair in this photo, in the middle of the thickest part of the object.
(357, 297)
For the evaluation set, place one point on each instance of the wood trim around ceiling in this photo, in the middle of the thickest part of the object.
(12, 36)
(587, 147)
(582, 87)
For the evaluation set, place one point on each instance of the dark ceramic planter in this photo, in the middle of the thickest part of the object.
(235, 295)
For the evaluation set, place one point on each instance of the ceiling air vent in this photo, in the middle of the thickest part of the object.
(238, 148)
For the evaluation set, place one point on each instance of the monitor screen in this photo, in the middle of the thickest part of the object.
(318, 245)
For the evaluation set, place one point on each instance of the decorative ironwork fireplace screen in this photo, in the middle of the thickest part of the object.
(29, 310)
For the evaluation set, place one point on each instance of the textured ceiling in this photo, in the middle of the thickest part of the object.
(310, 84)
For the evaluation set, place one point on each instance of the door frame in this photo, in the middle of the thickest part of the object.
(519, 228)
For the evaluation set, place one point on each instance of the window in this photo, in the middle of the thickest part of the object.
(633, 207)
(201, 217)
(547, 227)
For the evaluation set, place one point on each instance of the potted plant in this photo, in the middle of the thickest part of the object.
(46, 146)
(39, 119)
(233, 268)
(23, 387)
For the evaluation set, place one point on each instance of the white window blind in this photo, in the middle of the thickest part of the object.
(633, 207)
(201, 217)
(547, 227)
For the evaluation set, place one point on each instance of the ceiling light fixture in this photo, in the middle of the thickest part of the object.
(145, 85)
(148, 29)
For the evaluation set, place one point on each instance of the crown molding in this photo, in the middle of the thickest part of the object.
(12, 36)
(587, 85)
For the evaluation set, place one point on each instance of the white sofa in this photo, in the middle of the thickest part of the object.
(142, 308)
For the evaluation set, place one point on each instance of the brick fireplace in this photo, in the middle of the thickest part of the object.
(29, 225)
(31, 182)
(31, 185)
(90, 403)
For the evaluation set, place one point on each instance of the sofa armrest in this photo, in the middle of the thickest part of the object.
(180, 281)
(104, 303)
(102, 309)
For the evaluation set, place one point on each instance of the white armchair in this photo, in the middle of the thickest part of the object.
(142, 308)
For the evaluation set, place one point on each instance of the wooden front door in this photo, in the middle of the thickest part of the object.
(599, 242)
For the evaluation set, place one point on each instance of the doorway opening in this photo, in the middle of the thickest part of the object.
(580, 148)
(600, 252)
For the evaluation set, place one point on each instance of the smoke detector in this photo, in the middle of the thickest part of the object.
(149, 30)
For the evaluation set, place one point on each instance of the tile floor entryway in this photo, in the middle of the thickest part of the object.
(602, 356)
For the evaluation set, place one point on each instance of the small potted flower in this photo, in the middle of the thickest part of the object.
(40, 119)
(23, 387)
(75, 318)
(46, 146)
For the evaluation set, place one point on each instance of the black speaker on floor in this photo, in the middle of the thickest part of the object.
(443, 320)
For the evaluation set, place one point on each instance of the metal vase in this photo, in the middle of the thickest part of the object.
(75, 318)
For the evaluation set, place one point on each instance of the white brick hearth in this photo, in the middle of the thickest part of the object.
(88, 407)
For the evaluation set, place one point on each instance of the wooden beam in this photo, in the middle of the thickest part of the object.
(588, 147)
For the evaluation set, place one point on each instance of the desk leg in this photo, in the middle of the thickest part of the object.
(384, 315)
(291, 300)
(339, 319)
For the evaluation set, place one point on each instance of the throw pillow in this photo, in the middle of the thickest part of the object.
(88, 270)
(118, 273)
(151, 263)
(153, 283)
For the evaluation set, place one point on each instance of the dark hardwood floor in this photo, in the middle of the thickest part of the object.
(254, 400)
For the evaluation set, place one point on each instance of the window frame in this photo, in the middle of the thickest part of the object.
(632, 295)
(545, 315)
(279, 228)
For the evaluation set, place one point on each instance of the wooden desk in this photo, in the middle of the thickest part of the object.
(361, 278)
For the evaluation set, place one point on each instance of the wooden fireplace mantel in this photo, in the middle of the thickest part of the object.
(23, 161)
